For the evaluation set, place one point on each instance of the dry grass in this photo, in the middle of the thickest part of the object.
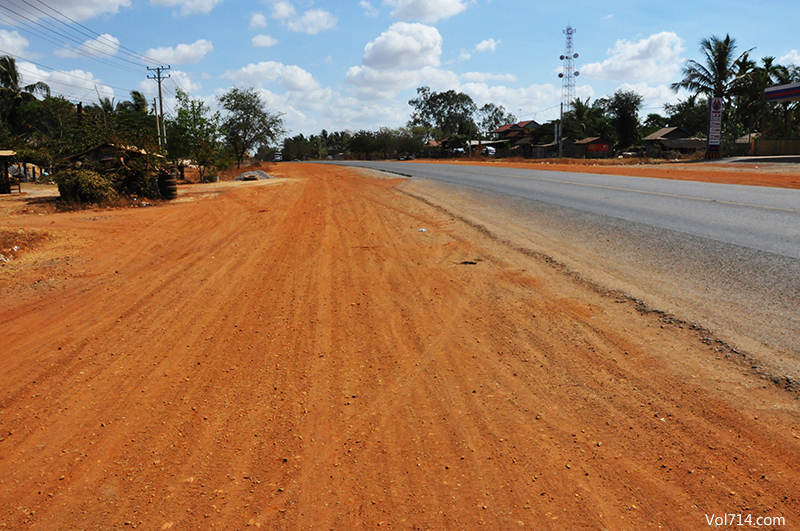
(15, 241)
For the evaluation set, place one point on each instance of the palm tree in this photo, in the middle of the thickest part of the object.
(785, 76)
(12, 93)
(585, 120)
(718, 77)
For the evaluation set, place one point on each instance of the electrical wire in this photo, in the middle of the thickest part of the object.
(82, 49)
(92, 81)
(57, 16)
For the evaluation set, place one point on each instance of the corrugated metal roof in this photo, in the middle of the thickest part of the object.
(661, 133)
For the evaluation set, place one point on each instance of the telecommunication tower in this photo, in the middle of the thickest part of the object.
(569, 73)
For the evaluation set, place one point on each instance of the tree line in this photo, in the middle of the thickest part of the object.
(44, 129)
(739, 80)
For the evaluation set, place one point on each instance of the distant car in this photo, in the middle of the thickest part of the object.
(488, 151)
(277, 157)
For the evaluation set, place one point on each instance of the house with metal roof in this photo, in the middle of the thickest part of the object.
(594, 148)
(672, 139)
(514, 132)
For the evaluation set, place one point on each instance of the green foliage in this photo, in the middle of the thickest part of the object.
(690, 114)
(85, 186)
(491, 117)
(717, 77)
(134, 178)
(449, 113)
(12, 92)
(194, 134)
(584, 120)
(248, 124)
(623, 110)
(299, 148)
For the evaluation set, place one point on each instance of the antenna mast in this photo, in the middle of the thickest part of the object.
(569, 73)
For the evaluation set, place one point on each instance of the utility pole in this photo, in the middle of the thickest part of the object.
(162, 132)
(158, 122)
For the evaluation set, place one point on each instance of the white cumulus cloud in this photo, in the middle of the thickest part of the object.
(791, 58)
(515, 100)
(428, 11)
(264, 41)
(181, 79)
(68, 82)
(258, 20)
(104, 45)
(480, 76)
(376, 84)
(489, 45)
(406, 55)
(404, 46)
(654, 59)
(283, 10)
(189, 6)
(289, 77)
(181, 54)
(655, 96)
(12, 42)
(369, 9)
(313, 22)
(86, 9)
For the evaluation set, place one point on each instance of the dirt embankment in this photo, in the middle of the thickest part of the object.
(299, 354)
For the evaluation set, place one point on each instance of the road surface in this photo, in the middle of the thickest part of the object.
(758, 218)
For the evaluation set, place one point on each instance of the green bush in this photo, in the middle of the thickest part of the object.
(85, 186)
(135, 178)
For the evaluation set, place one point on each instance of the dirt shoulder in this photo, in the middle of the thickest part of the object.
(325, 351)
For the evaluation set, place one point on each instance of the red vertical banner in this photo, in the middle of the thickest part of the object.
(714, 128)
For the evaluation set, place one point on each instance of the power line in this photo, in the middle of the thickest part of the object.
(88, 31)
(83, 47)
(92, 81)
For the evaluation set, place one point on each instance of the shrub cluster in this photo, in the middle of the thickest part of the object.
(85, 186)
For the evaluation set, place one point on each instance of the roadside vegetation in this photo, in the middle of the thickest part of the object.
(46, 131)
(55, 135)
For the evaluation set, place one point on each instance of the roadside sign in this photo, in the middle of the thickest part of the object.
(789, 92)
(714, 128)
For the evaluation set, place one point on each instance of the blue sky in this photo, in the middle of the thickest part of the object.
(354, 64)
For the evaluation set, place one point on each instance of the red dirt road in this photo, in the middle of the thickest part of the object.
(296, 354)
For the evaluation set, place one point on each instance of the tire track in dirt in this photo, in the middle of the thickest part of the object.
(297, 355)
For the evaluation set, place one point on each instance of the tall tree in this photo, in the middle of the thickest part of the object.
(491, 117)
(623, 108)
(785, 76)
(194, 132)
(248, 123)
(451, 113)
(12, 92)
(690, 114)
(717, 78)
(585, 120)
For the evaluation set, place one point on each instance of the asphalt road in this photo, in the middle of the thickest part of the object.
(763, 219)
(726, 257)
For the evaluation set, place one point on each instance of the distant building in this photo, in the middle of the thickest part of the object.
(6, 182)
(594, 148)
(672, 139)
(514, 132)
(109, 154)
(551, 150)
